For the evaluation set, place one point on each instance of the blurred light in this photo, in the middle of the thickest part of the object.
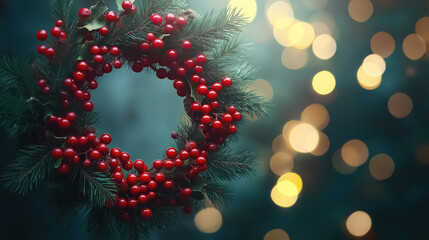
(280, 31)
(410, 71)
(367, 82)
(280, 10)
(340, 165)
(293, 178)
(303, 138)
(354, 152)
(360, 10)
(282, 200)
(323, 82)
(281, 144)
(324, 46)
(208, 220)
(414, 46)
(382, 44)
(316, 115)
(260, 32)
(276, 234)
(247, 7)
(263, 87)
(422, 153)
(422, 28)
(281, 163)
(326, 18)
(381, 166)
(323, 145)
(321, 28)
(287, 188)
(374, 65)
(315, 4)
(294, 58)
(301, 35)
(358, 223)
(400, 105)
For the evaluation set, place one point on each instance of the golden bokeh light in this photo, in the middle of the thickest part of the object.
(293, 178)
(374, 65)
(323, 145)
(315, 5)
(414, 46)
(281, 163)
(276, 234)
(340, 165)
(382, 44)
(280, 11)
(316, 115)
(326, 18)
(303, 137)
(282, 200)
(367, 82)
(280, 31)
(358, 223)
(281, 144)
(321, 28)
(324, 46)
(400, 105)
(263, 87)
(301, 35)
(294, 58)
(422, 28)
(287, 188)
(323, 82)
(247, 7)
(208, 220)
(354, 152)
(422, 153)
(360, 10)
(381, 166)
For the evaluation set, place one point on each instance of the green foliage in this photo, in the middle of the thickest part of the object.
(97, 18)
(16, 77)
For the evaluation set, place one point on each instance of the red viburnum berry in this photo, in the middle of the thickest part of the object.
(84, 13)
(156, 19)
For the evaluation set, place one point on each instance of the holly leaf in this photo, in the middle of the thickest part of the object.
(97, 18)
(57, 163)
(119, 3)
(84, 50)
(194, 93)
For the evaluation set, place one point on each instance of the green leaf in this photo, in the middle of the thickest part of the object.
(97, 18)
(119, 3)
(84, 50)
(194, 93)
(57, 163)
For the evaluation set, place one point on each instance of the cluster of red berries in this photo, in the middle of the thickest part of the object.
(57, 33)
(142, 188)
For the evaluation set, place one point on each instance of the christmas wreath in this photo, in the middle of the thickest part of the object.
(46, 108)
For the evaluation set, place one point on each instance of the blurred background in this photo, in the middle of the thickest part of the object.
(342, 154)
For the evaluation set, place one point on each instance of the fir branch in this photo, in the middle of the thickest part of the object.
(99, 223)
(15, 75)
(32, 165)
(95, 186)
(217, 193)
(16, 116)
(227, 166)
(65, 10)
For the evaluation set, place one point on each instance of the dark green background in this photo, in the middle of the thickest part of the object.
(141, 111)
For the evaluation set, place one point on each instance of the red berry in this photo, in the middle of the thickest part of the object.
(168, 164)
(72, 141)
(202, 89)
(178, 162)
(46, 89)
(181, 21)
(113, 162)
(111, 16)
(84, 13)
(181, 72)
(95, 50)
(132, 203)
(64, 168)
(198, 69)
(92, 84)
(172, 54)
(102, 166)
(232, 129)
(159, 177)
(105, 138)
(145, 46)
(41, 49)
(64, 123)
(211, 95)
(117, 176)
(157, 164)
(104, 150)
(171, 152)
(56, 31)
(145, 177)
(156, 19)
(226, 82)
(124, 157)
(98, 59)
(186, 45)
(82, 66)
(71, 116)
(50, 52)
(212, 147)
(187, 209)
(104, 31)
(184, 155)
(168, 184)
(170, 18)
(42, 35)
(127, 5)
(168, 28)
(132, 179)
(122, 203)
(142, 199)
(194, 153)
(189, 63)
(227, 118)
(158, 43)
(114, 51)
(41, 83)
(75, 159)
(206, 119)
(195, 78)
(57, 153)
(187, 192)
(201, 59)
(146, 213)
(150, 37)
(200, 160)
(59, 23)
(237, 116)
(68, 153)
(128, 165)
(178, 84)
(190, 145)
(137, 67)
(78, 76)
(231, 109)
(216, 86)
(139, 165)
(152, 185)
(63, 35)
(87, 106)
(161, 73)
(94, 155)
(195, 106)
(117, 64)
(135, 190)
(205, 109)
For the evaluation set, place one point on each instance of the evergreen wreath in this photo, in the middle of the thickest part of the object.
(45, 108)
